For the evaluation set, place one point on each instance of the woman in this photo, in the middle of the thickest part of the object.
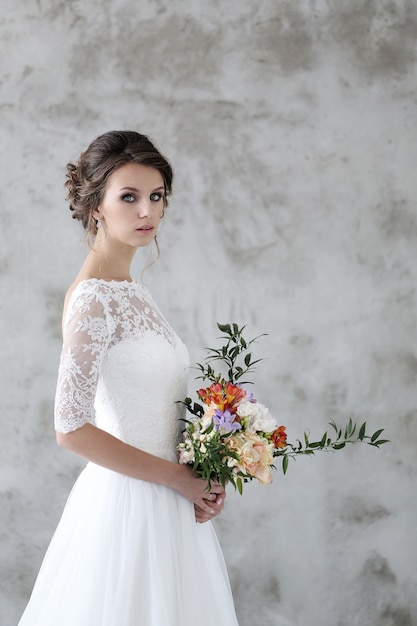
(128, 550)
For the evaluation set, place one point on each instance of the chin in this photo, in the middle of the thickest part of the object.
(145, 242)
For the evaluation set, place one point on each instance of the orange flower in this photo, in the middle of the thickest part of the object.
(279, 437)
(211, 394)
(224, 395)
(233, 395)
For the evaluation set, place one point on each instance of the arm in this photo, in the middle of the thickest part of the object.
(101, 448)
(88, 330)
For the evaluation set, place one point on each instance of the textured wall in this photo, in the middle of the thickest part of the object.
(292, 129)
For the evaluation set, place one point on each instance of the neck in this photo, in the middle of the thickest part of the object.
(107, 261)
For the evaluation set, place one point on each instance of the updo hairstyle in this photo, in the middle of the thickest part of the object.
(86, 181)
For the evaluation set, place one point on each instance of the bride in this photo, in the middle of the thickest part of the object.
(135, 545)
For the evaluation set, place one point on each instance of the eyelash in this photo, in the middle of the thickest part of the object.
(128, 195)
(159, 196)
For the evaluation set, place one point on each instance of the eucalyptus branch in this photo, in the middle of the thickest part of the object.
(231, 354)
(326, 443)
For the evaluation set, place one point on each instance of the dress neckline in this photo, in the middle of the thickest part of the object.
(111, 283)
(108, 281)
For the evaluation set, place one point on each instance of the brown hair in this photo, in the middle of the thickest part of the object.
(87, 179)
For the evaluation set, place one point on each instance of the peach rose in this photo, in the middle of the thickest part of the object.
(255, 455)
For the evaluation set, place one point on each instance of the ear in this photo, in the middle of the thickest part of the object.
(96, 214)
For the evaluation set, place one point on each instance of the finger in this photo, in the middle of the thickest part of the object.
(200, 516)
(215, 499)
(207, 507)
(217, 488)
(212, 507)
(217, 508)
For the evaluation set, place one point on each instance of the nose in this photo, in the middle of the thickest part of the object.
(144, 207)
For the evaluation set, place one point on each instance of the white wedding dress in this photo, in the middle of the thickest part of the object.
(126, 552)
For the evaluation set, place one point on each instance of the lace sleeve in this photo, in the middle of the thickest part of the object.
(86, 339)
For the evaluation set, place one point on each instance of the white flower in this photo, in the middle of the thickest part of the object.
(186, 456)
(247, 409)
(259, 417)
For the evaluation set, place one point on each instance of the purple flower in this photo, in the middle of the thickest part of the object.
(225, 421)
(249, 394)
(250, 397)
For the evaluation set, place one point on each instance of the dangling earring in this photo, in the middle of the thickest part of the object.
(98, 224)
(158, 252)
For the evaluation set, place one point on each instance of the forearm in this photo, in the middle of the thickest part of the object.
(104, 449)
(101, 448)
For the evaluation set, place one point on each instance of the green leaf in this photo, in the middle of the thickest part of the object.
(362, 431)
(333, 425)
(376, 434)
(285, 464)
(209, 429)
(255, 362)
(239, 485)
(348, 428)
(247, 359)
(339, 446)
(346, 432)
(234, 352)
(224, 328)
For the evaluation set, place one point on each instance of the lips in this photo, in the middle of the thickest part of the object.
(145, 228)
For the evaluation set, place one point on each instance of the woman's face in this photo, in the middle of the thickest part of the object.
(132, 205)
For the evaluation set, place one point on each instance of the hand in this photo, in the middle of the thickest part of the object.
(190, 486)
(217, 504)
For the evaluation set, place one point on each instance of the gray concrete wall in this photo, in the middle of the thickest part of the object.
(292, 129)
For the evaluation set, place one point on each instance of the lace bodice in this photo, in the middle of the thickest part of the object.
(122, 367)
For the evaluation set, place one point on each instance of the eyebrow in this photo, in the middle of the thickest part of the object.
(138, 190)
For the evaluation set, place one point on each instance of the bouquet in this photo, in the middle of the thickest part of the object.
(234, 438)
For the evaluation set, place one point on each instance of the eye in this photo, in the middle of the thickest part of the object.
(128, 197)
(155, 197)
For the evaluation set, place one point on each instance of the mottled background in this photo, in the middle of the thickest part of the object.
(292, 128)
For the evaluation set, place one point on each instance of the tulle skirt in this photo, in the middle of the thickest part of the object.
(129, 553)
